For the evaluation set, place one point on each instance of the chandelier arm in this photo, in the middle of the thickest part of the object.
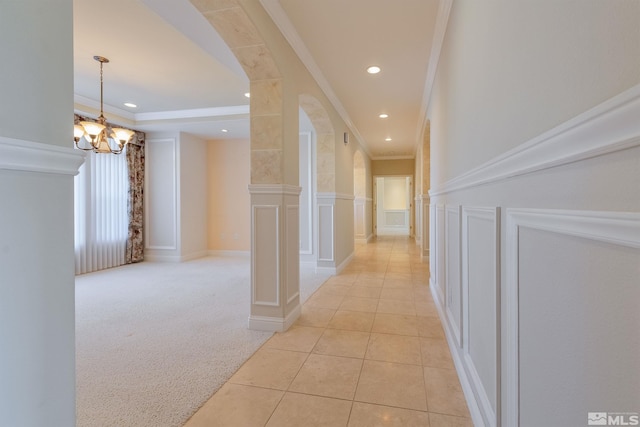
(83, 149)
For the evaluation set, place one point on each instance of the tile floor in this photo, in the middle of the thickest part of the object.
(368, 350)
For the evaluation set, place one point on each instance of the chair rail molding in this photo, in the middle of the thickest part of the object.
(28, 156)
(606, 128)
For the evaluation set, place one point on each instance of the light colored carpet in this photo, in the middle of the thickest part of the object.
(154, 341)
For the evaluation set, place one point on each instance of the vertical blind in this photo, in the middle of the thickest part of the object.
(100, 206)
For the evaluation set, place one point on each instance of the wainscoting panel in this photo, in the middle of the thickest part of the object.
(433, 243)
(453, 291)
(161, 191)
(481, 306)
(565, 316)
(440, 259)
(426, 219)
(325, 232)
(265, 221)
(293, 258)
(359, 218)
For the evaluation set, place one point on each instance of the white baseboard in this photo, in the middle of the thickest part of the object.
(274, 324)
(162, 258)
(472, 404)
(344, 263)
(175, 258)
(217, 252)
(335, 270)
(364, 240)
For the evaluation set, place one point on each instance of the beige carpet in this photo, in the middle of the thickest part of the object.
(154, 341)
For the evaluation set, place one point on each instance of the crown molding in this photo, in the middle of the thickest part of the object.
(436, 47)
(196, 113)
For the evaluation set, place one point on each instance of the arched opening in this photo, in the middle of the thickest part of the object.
(275, 263)
(325, 182)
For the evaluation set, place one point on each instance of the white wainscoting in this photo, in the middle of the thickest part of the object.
(439, 259)
(564, 317)
(453, 289)
(265, 229)
(325, 232)
(293, 257)
(481, 306)
(564, 322)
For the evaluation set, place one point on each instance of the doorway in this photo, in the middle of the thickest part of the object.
(392, 205)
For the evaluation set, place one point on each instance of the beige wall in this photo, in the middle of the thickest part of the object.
(492, 94)
(193, 195)
(392, 167)
(228, 195)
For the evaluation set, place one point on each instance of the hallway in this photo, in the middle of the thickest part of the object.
(368, 350)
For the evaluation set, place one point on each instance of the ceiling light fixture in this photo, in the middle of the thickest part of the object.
(130, 105)
(224, 130)
(383, 116)
(387, 139)
(373, 69)
(100, 135)
(248, 94)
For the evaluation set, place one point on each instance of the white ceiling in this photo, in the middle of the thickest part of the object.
(166, 58)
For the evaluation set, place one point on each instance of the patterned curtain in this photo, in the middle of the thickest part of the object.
(135, 205)
(135, 162)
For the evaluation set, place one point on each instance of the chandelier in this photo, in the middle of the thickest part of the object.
(101, 137)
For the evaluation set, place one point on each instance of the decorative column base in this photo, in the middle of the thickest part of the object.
(275, 258)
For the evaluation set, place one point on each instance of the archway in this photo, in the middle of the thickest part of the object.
(325, 200)
(275, 263)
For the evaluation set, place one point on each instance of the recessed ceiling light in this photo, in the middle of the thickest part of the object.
(387, 139)
(248, 95)
(225, 130)
(383, 116)
(130, 105)
(373, 69)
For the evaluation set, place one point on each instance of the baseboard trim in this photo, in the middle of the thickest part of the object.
(175, 258)
(335, 270)
(217, 252)
(274, 324)
(344, 263)
(472, 404)
(364, 240)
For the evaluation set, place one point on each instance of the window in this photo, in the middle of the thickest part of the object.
(100, 207)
